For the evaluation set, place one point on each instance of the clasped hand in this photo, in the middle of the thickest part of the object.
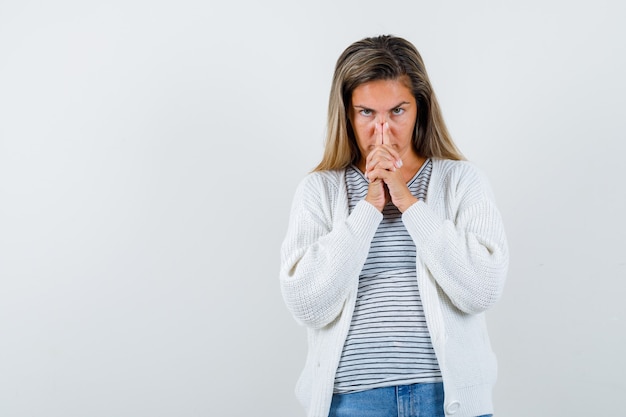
(383, 169)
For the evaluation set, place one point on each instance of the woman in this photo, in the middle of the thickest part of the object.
(394, 250)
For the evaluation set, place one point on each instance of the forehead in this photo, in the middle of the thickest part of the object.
(382, 92)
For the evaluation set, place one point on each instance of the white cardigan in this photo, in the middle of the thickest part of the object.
(462, 261)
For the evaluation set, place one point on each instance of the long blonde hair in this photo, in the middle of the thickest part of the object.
(383, 58)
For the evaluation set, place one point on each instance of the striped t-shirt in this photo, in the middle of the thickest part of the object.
(388, 342)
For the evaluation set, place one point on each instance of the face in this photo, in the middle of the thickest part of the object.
(381, 102)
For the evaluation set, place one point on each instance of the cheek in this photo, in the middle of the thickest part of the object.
(362, 143)
(404, 129)
(364, 131)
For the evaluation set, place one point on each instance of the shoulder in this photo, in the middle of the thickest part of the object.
(451, 168)
(322, 181)
(320, 187)
(461, 177)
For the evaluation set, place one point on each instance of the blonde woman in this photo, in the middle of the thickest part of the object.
(394, 251)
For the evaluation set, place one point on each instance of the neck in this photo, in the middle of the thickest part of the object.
(410, 167)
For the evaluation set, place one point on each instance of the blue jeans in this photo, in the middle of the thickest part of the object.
(417, 400)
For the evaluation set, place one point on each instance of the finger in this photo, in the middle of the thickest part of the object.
(379, 174)
(380, 170)
(379, 134)
(381, 154)
(380, 158)
(375, 176)
(385, 135)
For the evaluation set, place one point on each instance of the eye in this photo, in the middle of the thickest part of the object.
(398, 111)
(365, 112)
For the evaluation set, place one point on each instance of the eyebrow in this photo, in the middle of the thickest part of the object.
(367, 108)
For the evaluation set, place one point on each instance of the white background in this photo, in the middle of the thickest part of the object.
(149, 151)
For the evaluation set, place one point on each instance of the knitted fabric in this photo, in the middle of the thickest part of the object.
(462, 264)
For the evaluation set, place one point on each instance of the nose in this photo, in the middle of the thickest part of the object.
(381, 119)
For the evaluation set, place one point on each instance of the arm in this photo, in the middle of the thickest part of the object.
(321, 261)
(467, 253)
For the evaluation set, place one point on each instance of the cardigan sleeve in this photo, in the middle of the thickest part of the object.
(465, 250)
(322, 257)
